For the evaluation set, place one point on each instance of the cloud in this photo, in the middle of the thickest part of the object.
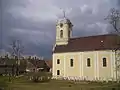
(118, 2)
(33, 21)
(36, 10)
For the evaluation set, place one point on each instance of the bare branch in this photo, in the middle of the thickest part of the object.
(17, 48)
(114, 19)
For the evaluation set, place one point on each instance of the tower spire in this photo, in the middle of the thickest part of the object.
(64, 13)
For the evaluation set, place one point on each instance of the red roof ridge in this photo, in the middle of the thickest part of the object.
(89, 43)
(93, 36)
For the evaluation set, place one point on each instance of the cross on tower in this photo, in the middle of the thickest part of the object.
(63, 13)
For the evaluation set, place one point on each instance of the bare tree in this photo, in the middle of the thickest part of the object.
(17, 50)
(114, 19)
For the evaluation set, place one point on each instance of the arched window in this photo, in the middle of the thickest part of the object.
(69, 33)
(58, 72)
(104, 62)
(71, 62)
(58, 61)
(88, 62)
(61, 33)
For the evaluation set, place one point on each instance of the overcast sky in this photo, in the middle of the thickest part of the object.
(33, 21)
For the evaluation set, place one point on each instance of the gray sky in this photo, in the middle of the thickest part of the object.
(33, 21)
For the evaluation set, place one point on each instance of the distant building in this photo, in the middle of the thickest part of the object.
(49, 64)
(84, 58)
(39, 65)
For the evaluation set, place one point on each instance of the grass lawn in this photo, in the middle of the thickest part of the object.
(23, 84)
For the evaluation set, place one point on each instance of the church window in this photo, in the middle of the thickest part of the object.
(69, 33)
(61, 25)
(58, 72)
(58, 61)
(71, 62)
(61, 33)
(104, 62)
(88, 62)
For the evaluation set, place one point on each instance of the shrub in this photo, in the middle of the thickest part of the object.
(40, 76)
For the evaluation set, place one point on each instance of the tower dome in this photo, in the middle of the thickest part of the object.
(63, 20)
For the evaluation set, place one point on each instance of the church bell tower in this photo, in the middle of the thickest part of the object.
(63, 31)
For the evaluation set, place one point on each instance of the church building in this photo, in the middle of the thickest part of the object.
(83, 58)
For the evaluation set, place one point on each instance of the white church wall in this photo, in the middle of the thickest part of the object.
(80, 70)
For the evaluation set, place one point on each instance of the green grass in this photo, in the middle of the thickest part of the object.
(3, 82)
(57, 85)
(24, 84)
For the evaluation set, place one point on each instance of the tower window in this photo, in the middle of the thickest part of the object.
(61, 25)
(58, 72)
(61, 33)
(58, 61)
(104, 62)
(88, 62)
(71, 62)
(69, 33)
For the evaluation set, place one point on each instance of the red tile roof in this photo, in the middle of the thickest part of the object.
(49, 63)
(90, 43)
(38, 63)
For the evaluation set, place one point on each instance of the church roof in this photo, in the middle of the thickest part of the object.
(90, 43)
